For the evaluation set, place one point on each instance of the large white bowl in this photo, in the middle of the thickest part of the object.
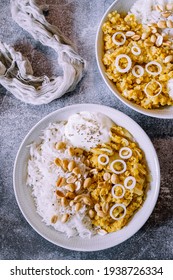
(26, 201)
(124, 6)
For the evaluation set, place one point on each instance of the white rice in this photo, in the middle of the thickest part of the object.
(42, 177)
(145, 14)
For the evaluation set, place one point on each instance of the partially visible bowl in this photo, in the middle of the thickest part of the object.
(123, 6)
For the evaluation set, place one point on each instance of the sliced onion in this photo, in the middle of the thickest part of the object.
(153, 63)
(129, 65)
(116, 171)
(106, 150)
(113, 191)
(133, 184)
(141, 71)
(125, 156)
(134, 48)
(118, 43)
(150, 96)
(115, 206)
(105, 157)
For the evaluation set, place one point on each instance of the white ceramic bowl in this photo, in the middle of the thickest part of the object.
(26, 201)
(124, 6)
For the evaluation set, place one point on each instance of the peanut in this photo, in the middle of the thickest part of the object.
(166, 14)
(114, 179)
(54, 219)
(87, 183)
(169, 7)
(169, 24)
(76, 171)
(78, 206)
(64, 202)
(70, 187)
(64, 164)
(169, 58)
(91, 213)
(71, 165)
(59, 194)
(60, 182)
(106, 176)
(60, 145)
(162, 24)
(64, 218)
(57, 161)
(71, 179)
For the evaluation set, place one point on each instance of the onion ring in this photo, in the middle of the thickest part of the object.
(129, 65)
(116, 171)
(125, 156)
(150, 96)
(130, 178)
(153, 63)
(138, 52)
(115, 206)
(103, 156)
(106, 150)
(117, 42)
(141, 71)
(113, 193)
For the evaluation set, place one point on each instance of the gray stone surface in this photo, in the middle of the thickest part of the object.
(78, 20)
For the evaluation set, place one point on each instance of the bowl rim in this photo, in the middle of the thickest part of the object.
(156, 113)
(100, 108)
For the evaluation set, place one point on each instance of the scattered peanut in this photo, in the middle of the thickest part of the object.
(57, 161)
(97, 207)
(72, 179)
(70, 195)
(80, 196)
(91, 213)
(60, 145)
(60, 182)
(136, 37)
(64, 218)
(153, 38)
(54, 219)
(145, 35)
(71, 203)
(169, 58)
(87, 201)
(106, 176)
(64, 164)
(159, 41)
(76, 171)
(162, 24)
(70, 187)
(59, 194)
(130, 33)
(114, 179)
(169, 24)
(169, 7)
(71, 151)
(78, 151)
(71, 165)
(78, 206)
(87, 183)
(64, 202)
(159, 8)
(101, 214)
(166, 14)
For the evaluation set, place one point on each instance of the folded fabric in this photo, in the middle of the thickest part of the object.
(16, 73)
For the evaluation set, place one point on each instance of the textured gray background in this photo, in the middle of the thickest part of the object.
(78, 20)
